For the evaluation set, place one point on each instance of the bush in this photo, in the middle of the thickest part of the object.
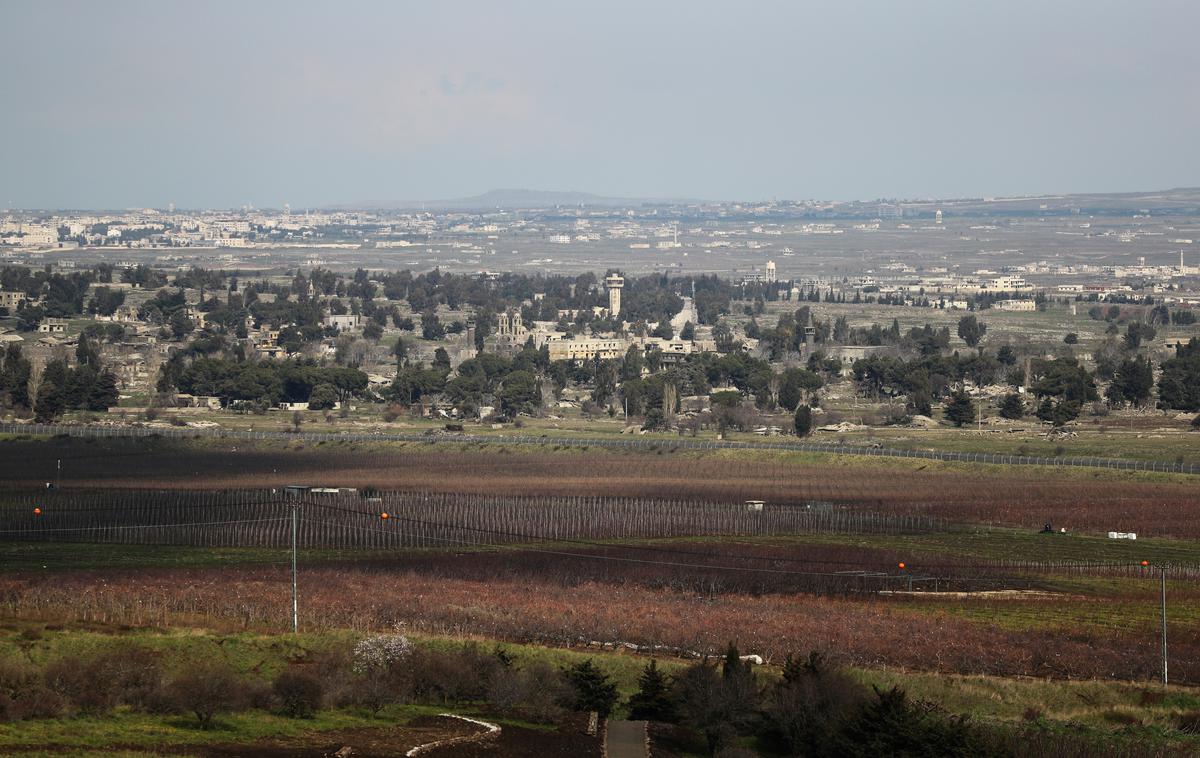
(721, 704)
(81, 683)
(536, 691)
(134, 675)
(890, 724)
(24, 696)
(804, 710)
(453, 676)
(383, 676)
(299, 693)
(381, 652)
(206, 690)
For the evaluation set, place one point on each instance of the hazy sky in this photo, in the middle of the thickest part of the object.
(114, 104)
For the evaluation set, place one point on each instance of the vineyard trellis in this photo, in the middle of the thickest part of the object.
(262, 518)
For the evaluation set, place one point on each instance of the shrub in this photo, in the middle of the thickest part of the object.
(299, 693)
(804, 710)
(23, 695)
(82, 684)
(379, 661)
(453, 676)
(206, 690)
(134, 675)
(719, 704)
(381, 652)
(537, 691)
(891, 724)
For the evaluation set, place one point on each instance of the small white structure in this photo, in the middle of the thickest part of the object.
(1122, 535)
(344, 323)
(755, 506)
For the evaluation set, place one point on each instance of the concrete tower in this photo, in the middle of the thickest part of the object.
(771, 272)
(614, 282)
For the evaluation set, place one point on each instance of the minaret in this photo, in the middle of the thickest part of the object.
(770, 272)
(614, 282)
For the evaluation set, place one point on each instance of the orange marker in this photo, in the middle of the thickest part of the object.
(384, 516)
(901, 566)
(37, 511)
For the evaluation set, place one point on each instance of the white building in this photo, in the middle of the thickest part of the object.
(347, 322)
(1015, 305)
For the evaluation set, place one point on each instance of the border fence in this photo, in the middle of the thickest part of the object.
(682, 443)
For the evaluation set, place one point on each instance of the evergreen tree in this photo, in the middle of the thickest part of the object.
(960, 409)
(971, 329)
(594, 690)
(1012, 407)
(803, 421)
(103, 393)
(14, 377)
(653, 701)
(49, 405)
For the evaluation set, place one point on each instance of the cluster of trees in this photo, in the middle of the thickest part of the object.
(87, 386)
(15, 374)
(814, 709)
(62, 295)
(1060, 387)
(264, 383)
(1179, 385)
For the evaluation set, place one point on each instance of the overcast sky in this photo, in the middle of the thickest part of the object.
(116, 104)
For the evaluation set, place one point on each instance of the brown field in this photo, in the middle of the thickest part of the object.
(525, 607)
(1021, 497)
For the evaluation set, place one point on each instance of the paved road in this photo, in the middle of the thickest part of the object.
(626, 739)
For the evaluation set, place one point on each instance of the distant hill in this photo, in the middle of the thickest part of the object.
(511, 199)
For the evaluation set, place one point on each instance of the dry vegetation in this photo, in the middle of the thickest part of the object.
(522, 608)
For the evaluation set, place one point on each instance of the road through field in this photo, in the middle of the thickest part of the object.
(626, 739)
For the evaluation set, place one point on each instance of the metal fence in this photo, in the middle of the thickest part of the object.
(682, 443)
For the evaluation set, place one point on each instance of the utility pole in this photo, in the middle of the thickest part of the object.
(295, 597)
(1162, 578)
(1163, 596)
